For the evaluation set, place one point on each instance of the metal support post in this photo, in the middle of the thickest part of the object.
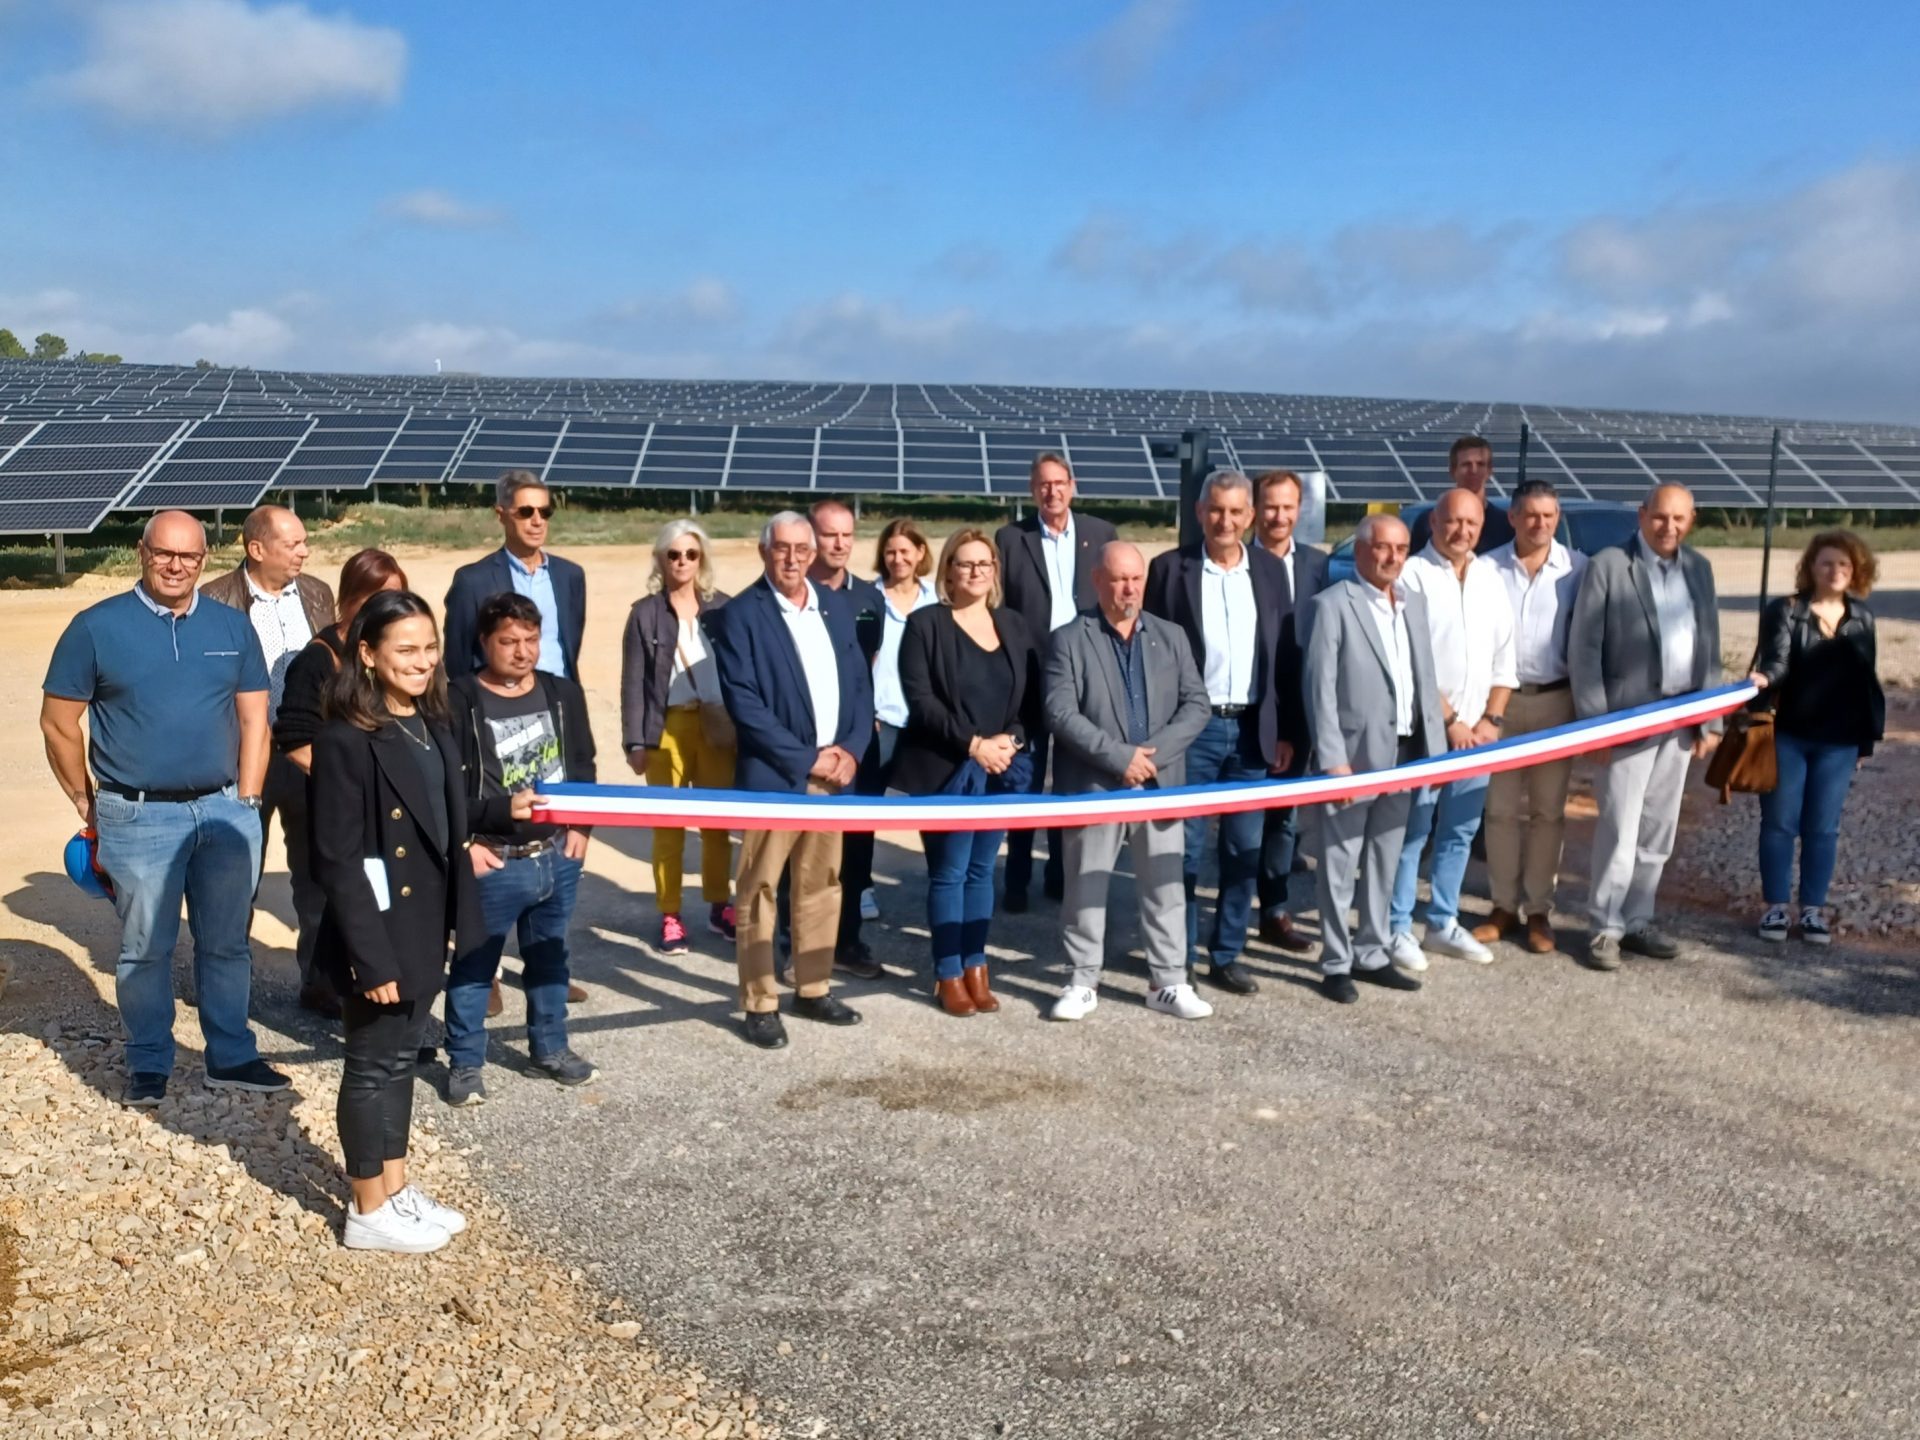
(1766, 542)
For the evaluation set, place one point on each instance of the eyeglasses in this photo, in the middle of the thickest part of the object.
(188, 558)
(972, 567)
(527, 512)
(786, 548)
(676, 556)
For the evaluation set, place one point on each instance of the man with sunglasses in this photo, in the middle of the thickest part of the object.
(521, 566)
(174, 693)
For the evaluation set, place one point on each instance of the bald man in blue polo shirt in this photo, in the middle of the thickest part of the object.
(175, 696)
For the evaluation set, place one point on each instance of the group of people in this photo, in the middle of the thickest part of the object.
(406, 758)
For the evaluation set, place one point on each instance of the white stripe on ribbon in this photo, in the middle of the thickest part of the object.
(663, 807)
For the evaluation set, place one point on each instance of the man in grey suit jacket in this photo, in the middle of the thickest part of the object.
(1372, 703)
(1124, 701)
(1646, 625)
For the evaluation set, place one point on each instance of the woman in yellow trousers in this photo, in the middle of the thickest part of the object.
(667, 676)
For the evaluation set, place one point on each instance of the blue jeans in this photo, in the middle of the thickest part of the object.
(1813, 785)
(535, 894)
(207, 852)
(960, 896)
(1452, 816)
(1223, 752)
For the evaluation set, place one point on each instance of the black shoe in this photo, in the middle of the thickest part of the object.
(1652, 943)
(1233, 976)
(565, 1067)
(1054, 884)
(1388, 977)
(857, 960)
(765, 1030)
(255, 1075)
(826, 1009)
(1016, 902)
(146, 1091)
(1339, 989)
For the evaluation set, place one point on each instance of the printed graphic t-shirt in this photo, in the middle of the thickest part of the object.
(521, 750)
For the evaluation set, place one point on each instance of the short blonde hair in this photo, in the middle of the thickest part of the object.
(967, 536)
(674, 530)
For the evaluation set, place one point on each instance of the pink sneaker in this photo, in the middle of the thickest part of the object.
(673, 936)
(720, 920)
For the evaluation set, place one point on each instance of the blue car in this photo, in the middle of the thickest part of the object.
(1588, 526)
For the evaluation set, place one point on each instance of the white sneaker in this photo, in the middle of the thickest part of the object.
(1404, 951)
(425, 1207)
(869, 904)
(1180, 1002)
(393, 1227)
(1453, 939)
(1076, 1002)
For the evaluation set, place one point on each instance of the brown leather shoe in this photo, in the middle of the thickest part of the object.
(1540, 935)
(494, 1003)
(975, 977)
(954, 998)
(1277, 930)
(576, 992)
(1496, 927)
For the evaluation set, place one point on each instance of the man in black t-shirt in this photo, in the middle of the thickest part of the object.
(519, 729)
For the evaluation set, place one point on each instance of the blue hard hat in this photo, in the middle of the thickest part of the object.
(83, 866)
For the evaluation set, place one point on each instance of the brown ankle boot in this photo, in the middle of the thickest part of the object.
(975, 977)
(495, 1002)
(954, 998)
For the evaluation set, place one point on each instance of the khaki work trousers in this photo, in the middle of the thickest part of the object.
(1526, 822)
(815, 891)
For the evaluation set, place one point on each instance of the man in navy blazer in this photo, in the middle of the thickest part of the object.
(1277, 496)
(801, 696)
(1047, 562)
(521, 566)
(1228, 597)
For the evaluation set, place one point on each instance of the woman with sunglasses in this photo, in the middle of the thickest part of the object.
(390, 850)
(971, 674)
(670, 719)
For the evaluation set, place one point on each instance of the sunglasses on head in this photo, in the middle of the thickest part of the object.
(527, 512)
(679, 555)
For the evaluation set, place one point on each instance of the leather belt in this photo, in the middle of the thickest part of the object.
(508, 851)
(165, 797)
(1231, 712)
(1545, 687)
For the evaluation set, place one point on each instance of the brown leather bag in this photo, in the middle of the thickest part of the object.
(1745, 760)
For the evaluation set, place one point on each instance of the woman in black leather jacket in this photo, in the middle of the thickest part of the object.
(1817, 665)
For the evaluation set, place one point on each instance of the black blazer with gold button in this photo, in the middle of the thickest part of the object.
(369, 799)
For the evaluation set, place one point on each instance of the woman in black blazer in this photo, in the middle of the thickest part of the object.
(390, 843)
(971, 675)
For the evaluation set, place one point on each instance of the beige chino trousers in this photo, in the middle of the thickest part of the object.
(1526, 822)
(815, 898)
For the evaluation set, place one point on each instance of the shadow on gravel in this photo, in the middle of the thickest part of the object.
(259, 1131)
(1842, 979)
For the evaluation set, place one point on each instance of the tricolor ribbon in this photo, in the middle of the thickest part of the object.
(664, 807)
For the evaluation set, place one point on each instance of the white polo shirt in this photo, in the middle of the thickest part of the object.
(1542, 609)
(808, 627)
(1470, 623)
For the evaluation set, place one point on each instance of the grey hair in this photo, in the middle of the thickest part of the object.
(512, 483)
(1363, 532)
(785, 517)
(1225, 480)
(153, 520)
(676, 530)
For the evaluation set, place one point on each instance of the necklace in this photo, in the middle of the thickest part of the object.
(422, 739)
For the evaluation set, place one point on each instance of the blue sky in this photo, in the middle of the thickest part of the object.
(1678, 206)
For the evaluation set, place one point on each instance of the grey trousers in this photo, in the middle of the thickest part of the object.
(1158, 848)
(1639, 793)
(1359, 853)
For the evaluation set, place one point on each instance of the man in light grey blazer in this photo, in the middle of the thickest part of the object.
(1124, 701)
(1372, 703)
(1646, 626)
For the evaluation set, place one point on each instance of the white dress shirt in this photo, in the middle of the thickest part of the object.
(808, 627)
(1228, 621)
(1389, 611)
(1293, 591)
(1542, 609)
(281, 623)
(1470, 624)
(694, 677)
(1058, 552)
(889, 700)
(1674, 604)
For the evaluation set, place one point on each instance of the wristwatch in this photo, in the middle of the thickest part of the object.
(252, 802)
(1498, 722)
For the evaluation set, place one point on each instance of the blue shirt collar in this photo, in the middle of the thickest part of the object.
(525, 569)
(140, 590)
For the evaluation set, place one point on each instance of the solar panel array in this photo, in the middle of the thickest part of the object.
(79, 441)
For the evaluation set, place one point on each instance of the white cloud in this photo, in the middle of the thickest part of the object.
(210, 67)
(1122, 53)
(492, 349)
(439, 209)
(244, 337)
(703, 303)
